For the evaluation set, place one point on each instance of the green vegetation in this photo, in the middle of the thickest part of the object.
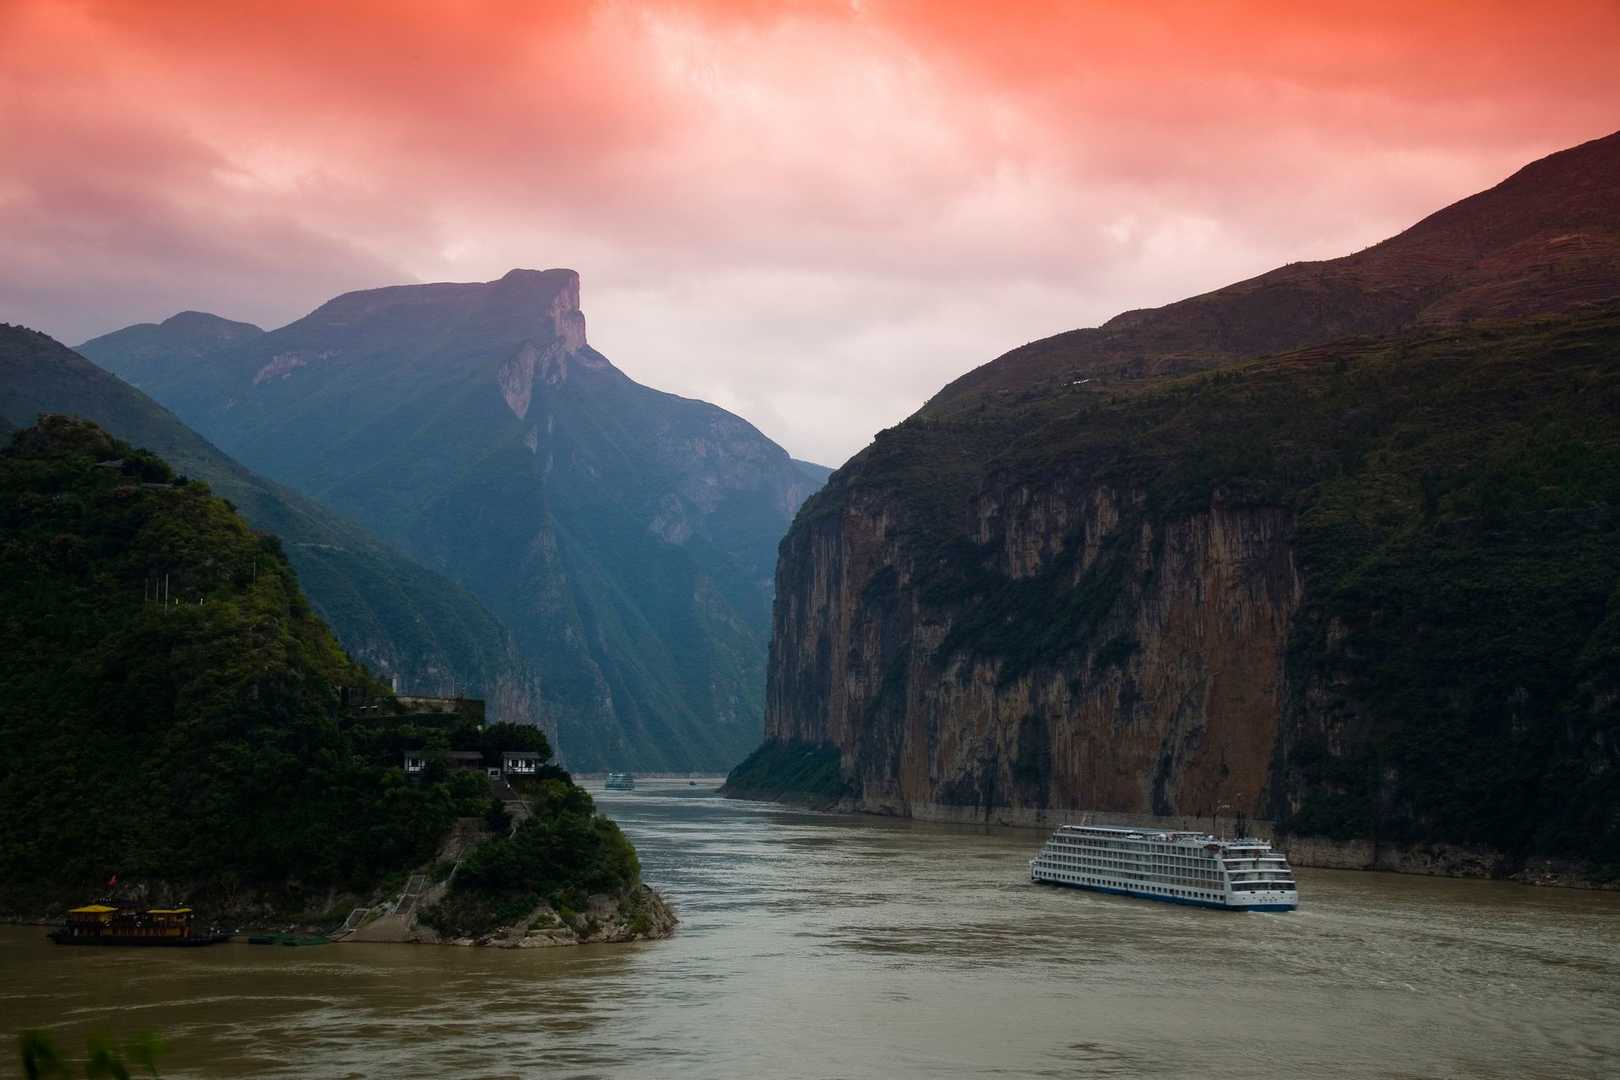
(563, 854)
(1456, 667)
(171, 702)
(40, 1059)
(387, 610)
(799, 770)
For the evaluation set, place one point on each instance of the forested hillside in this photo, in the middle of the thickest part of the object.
(179, 716)
(169, 696)
(397, 617)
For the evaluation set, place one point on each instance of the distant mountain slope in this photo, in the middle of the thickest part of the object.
(157, 350)
(817, 473)
(1546, 239)
(396, 616)
(1369, 588)
(627, 536)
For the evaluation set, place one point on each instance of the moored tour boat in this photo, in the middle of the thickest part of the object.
(1180, 867)
(104, 924)
(619, 781)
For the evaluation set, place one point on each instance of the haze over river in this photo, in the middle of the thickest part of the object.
(821, 946)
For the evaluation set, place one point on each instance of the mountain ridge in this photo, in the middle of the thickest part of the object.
(400, 618)
(1443, 268)
(625, 534)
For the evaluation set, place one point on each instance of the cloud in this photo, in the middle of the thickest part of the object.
(813, 213)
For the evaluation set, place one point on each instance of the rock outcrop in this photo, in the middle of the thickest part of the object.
(638, 915)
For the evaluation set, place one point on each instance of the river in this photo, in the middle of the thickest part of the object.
(821, 946)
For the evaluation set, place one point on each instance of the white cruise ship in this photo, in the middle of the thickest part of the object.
(1181, 867)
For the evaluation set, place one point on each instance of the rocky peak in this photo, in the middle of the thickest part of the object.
(540, 306)
(555, 294)
(552, 294)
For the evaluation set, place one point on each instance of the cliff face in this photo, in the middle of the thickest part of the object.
(1169, 706)
(1394, 618)
(1369, 589)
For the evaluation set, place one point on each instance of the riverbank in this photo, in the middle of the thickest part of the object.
(244, 909)
(409, 907)
(1432, 860)
(641, 914)
(541, 869)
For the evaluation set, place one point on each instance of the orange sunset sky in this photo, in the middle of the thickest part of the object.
(814, 214)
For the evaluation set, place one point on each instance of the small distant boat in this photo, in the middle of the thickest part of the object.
(620, 781)
(106, 924)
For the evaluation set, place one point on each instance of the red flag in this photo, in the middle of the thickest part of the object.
(112, 881)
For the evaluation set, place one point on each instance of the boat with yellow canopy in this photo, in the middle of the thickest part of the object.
(106, 924)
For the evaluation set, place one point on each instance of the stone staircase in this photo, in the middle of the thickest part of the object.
(351, 924)
(406, 904)
(397, 922)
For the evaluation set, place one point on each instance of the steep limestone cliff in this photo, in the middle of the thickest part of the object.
(1368, 587)
(1169, 705)
(1394, 617)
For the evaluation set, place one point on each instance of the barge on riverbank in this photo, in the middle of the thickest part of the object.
(104, 924)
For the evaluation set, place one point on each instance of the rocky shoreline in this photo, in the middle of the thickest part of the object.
(638, 914)
(642, 916)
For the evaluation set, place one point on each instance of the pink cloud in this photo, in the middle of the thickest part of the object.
(813, 213)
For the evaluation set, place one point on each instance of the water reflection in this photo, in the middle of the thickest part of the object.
(814, 946)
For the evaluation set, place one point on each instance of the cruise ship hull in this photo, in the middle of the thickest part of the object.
(1182, 900)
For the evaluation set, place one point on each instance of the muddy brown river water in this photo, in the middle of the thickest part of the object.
(818, 946)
